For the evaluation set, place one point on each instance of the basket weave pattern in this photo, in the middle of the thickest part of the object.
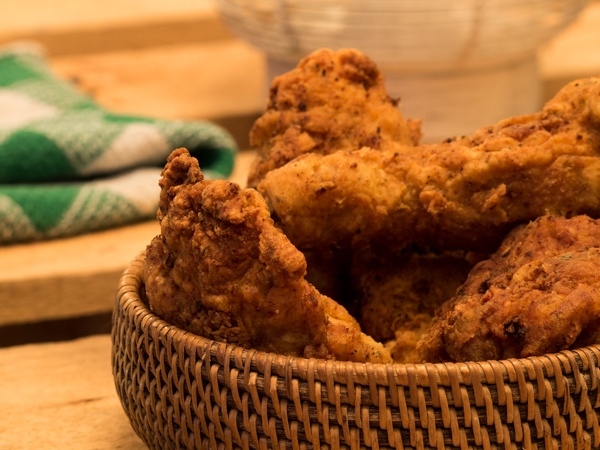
(183, 391)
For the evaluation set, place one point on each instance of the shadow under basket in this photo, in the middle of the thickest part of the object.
(180, 390)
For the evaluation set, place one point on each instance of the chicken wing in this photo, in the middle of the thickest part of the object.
(539, 293)
(221, 269)
(465, 193)
(332, 100)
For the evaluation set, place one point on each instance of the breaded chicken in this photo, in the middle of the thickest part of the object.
(539, 293)
(399, 294)
(465, 193)
(221, 269)
(332, 100)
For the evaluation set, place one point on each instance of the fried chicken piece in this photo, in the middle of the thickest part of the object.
(399, 295)
(540, 293)
(465, 193)
(332, 100)
(221, 269)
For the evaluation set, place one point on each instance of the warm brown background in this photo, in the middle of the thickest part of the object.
(167, 59)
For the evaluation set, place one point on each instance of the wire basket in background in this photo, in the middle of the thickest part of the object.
(457, 65)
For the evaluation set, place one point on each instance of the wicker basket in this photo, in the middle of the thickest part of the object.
(183, 391)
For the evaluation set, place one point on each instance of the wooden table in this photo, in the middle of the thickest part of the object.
(173, 60)
(61, 396)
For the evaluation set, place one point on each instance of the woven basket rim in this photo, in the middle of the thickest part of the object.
(130, 302)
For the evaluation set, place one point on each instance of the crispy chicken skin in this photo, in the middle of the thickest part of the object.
(465, 193)
(400, 294)
(221, 269)
(332, 100)
(539, 293)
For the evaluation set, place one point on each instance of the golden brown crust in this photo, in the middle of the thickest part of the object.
(400, 294)
(465, 193)
(330, 101)
(341, 170)
(539, 293)
(222, 270)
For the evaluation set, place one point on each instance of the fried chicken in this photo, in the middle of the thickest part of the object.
(400, 294)
(221, 269)
(539, 293)
(332, 100)
(465, 193)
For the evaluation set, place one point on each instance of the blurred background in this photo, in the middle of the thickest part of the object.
(457, 69)
(457, 65)
(214, 58)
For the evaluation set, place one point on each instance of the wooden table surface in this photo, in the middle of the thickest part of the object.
(173, 60)
(61, 396)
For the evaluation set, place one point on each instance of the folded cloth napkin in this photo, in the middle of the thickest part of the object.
(69, 166)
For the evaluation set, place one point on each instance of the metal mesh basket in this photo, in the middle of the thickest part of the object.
(180, 390)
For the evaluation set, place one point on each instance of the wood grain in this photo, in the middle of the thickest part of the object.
(191, 81)
(70, 27)
(62, 395)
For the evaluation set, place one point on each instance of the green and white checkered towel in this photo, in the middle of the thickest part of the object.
(69, 166)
